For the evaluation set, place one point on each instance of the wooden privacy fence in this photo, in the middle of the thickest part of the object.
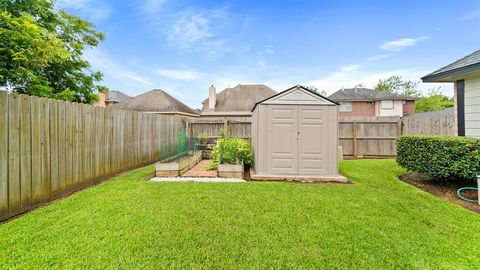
(50, 148)
(370, 136)
(430, 123)
(236, 127)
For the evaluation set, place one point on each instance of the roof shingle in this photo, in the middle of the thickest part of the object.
(364, 94)
(458, 67)
(156, 100)
(240, 98)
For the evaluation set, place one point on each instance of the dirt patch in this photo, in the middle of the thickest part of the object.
(443, 190)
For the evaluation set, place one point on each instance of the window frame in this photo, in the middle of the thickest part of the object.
(344, 108)
(383, 107)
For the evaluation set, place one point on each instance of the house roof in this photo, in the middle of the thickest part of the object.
(365, 94)
(306, 93)
(240, 98)
(116, 96)
(467, 64)
(155, 101)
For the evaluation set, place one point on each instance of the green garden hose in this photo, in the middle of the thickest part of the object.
(460, 190)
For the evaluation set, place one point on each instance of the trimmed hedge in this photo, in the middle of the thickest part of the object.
(441, 157)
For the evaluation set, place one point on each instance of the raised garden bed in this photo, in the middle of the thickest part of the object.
(230, 171)
(177, 166)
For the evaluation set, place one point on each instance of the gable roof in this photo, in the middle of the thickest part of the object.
(116, 96)
(240, 98)
(467, 64)
(295, 95)
(365, 94)
(155, 101)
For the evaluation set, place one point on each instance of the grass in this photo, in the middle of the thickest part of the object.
(377, 223)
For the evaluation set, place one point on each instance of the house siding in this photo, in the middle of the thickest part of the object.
(472, 107)
(360, 108)
(396, 111)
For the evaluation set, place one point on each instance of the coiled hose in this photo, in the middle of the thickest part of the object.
(460, 190)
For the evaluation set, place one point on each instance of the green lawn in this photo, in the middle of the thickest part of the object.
(377, 223)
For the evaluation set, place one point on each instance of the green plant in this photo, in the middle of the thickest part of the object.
(231, 151)
(203, 137)
(442, 157)
(182, 144)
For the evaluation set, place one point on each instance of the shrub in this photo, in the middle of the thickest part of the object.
(231, 151)
(441, 157)
(203, 138)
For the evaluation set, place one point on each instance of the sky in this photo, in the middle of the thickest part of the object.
(183, 47)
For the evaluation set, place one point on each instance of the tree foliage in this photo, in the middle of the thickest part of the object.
(41, 52)
(434, 101)
(395, 84)
(315, 90)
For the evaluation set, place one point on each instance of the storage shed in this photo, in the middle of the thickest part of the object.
(295, 137)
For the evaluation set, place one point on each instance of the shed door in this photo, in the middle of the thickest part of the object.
(282, 143)
(297, 137)
(313, 140)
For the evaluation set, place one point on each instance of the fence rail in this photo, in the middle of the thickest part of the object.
(50, 148)
(241, 128)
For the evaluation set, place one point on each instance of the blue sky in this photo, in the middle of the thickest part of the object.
(185, 46)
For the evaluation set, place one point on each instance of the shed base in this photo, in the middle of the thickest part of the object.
(298, 178)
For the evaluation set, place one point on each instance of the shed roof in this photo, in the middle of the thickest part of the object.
(116, 96)
(241, 98)
(464, 65)
(297, 95)
(157, 101)
(365, 94)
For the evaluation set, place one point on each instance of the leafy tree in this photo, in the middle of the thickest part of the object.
(315, 90)
(41, 52)
(395, 84)
(434, 101)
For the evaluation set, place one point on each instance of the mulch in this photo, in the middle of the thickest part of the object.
(444, 190)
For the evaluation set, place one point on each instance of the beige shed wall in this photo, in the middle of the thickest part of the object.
(327, 141)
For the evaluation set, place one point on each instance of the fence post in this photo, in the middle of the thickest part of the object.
(226, 126)
(354, 139)
(399, 128)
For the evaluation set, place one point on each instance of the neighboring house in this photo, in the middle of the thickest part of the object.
(234, 102)
(157, 101)
(465, 74)
(357, 102)
(111, 97)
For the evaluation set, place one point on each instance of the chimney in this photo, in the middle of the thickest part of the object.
(212, 97)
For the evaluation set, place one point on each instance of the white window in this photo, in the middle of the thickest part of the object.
(387, 104)
(345, 106)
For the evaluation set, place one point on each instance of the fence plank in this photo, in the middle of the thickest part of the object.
(54, 153)
(25, 152)
(14, 153)
(3, 154)
(61, 146)
(69, 141)
(44, 193)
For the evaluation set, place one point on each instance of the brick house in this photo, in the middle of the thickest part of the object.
(356, 102)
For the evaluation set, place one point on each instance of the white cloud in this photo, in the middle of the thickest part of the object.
(178, 74)
(472, 15)
(378, 57)
(198, 30)
(349, 76)
(101, 61)
(153, 6)
(400, 44)
(261, 64)
(90, 9)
